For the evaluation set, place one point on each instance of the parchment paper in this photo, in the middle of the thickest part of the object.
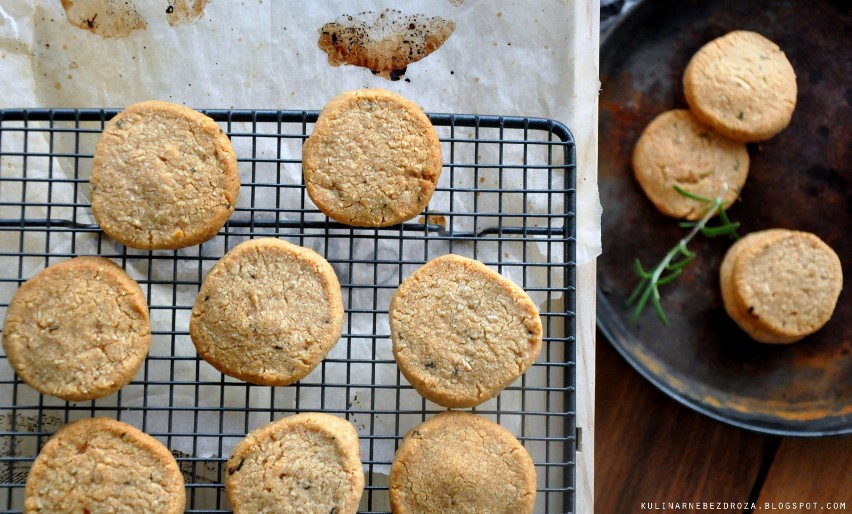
(510, 58)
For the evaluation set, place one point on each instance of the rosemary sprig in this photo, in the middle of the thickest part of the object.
(671, 267)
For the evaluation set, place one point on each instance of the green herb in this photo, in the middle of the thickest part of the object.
(668, 269)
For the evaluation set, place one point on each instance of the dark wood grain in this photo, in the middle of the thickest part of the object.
(810, 470)
(649, 448)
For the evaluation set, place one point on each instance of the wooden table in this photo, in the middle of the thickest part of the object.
(650, 449)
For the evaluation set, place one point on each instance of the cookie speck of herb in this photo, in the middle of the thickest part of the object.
(430, 365)
(740, 115)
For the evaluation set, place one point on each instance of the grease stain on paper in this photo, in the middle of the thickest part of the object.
(385, 43)
(184, 12)
(106, 18)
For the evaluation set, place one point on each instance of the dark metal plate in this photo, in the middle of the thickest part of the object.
(799, 180)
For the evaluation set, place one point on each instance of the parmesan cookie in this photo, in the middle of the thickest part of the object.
(78, 330)
(780, 285)
(303, 463)
(101, 465)
(461, 332)
(373, 159)
(164, 176)
(462, 463)
(268, 312)
(742, 85)
(677, 150)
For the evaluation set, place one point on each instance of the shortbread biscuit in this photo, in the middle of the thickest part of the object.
(164, 176)
(373, 159)
(675, 149)
(781, 285)
(268, 312)
(101, 465)
(461, 332)
(462, 463)
(303, 463)
(742, 85)
(78, 330)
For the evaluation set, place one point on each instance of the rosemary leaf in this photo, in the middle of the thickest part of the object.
(677, 258)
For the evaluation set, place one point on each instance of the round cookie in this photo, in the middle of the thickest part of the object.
(461, 332)
(373, 159)
(781, 285)
(742, 85)
(268, 312)
(101, 465)
(462, 463)
(733, 307)
(308, 462)
(78, 330)
(675, 149)
(164, 176)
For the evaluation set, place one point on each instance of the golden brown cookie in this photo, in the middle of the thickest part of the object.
(268, 312)
(78, 330)
(164, 176)
(675, 149)
(461, 332)
(308, 462)
(742, 85)
(780, 285)
(373, 159)
(101, 465)
(462, 463)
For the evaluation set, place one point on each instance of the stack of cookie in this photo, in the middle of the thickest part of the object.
(777, 285)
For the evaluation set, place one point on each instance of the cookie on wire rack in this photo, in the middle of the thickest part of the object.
(163, 177)
(461, 462)
(268, 312)
(103, 465)
(308, 462)
(461, 332)
(78, 330)
(372, 160)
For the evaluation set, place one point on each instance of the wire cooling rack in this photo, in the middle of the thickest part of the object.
(506, 197)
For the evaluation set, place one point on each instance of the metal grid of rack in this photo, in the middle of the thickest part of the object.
(506, 197)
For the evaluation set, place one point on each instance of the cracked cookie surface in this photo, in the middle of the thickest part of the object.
(163, 177)
(100, 466)
(462, 463)
(462, 332)
(268, 312)
(308, 462)
(675, 149)
(78, 330)
(372, 160)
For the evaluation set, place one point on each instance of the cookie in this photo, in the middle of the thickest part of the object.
(308, 462)
(373, 159)
(101, 465)
(268, 312)
(742, 85)
(675, 149)
(461, 332)
(780, 285)
(164, 176)
(462, 463)
(78, 330)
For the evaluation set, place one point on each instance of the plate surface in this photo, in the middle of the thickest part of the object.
(799, 180)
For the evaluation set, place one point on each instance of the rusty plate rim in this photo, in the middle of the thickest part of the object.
(617, 334)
